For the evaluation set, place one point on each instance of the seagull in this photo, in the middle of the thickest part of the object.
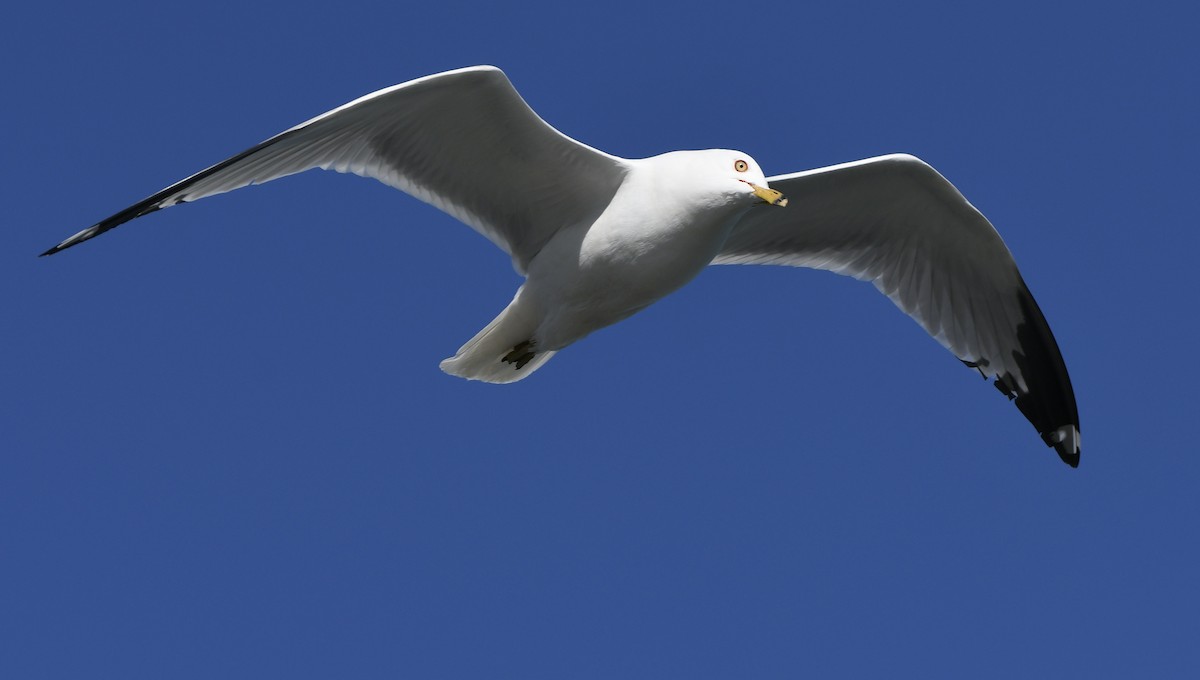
(599, 238)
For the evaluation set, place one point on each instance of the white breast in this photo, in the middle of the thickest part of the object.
(655, 235)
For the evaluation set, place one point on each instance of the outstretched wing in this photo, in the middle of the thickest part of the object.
(896, 222)
(463, 141)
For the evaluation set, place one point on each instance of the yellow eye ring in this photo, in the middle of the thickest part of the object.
(741, 165)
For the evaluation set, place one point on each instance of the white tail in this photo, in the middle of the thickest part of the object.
(483, 357)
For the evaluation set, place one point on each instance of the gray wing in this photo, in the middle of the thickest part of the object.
(463, 141)
(896, 222)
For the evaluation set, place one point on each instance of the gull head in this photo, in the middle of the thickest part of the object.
(730, 176)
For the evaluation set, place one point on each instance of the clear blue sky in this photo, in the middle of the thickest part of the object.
(228, 452)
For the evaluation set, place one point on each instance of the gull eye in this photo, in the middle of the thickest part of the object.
(741, 165)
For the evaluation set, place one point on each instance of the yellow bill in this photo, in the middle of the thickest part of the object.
(769, 195)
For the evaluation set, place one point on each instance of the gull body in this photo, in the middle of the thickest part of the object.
(599, 238)
(664, 225)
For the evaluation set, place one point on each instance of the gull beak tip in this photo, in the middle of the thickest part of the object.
(770, 195)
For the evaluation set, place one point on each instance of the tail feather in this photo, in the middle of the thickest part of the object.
(483, 356)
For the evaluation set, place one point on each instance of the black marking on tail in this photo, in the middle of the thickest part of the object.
(521, 354)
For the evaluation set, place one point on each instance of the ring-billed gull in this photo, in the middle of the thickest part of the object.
(599, 238)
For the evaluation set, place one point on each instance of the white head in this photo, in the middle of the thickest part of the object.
(730, 177)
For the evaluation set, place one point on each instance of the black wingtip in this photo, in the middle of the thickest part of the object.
(1048, 401)
(1065, 442)
(87, 234)
(63, 246)
(134, 211)
(77, 238)
(1069, 458)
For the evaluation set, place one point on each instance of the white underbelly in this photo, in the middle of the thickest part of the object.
(587, 280)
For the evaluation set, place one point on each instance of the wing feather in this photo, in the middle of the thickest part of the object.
(463, 141)
(896, 222)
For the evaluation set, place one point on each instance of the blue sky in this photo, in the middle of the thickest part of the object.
(228, 450)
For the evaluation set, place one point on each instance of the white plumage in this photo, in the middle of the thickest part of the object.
(600, 237)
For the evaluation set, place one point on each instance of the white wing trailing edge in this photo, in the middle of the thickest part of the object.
(463, 141)
(896, 222)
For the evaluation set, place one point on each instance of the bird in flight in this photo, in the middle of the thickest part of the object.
(599, 238)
